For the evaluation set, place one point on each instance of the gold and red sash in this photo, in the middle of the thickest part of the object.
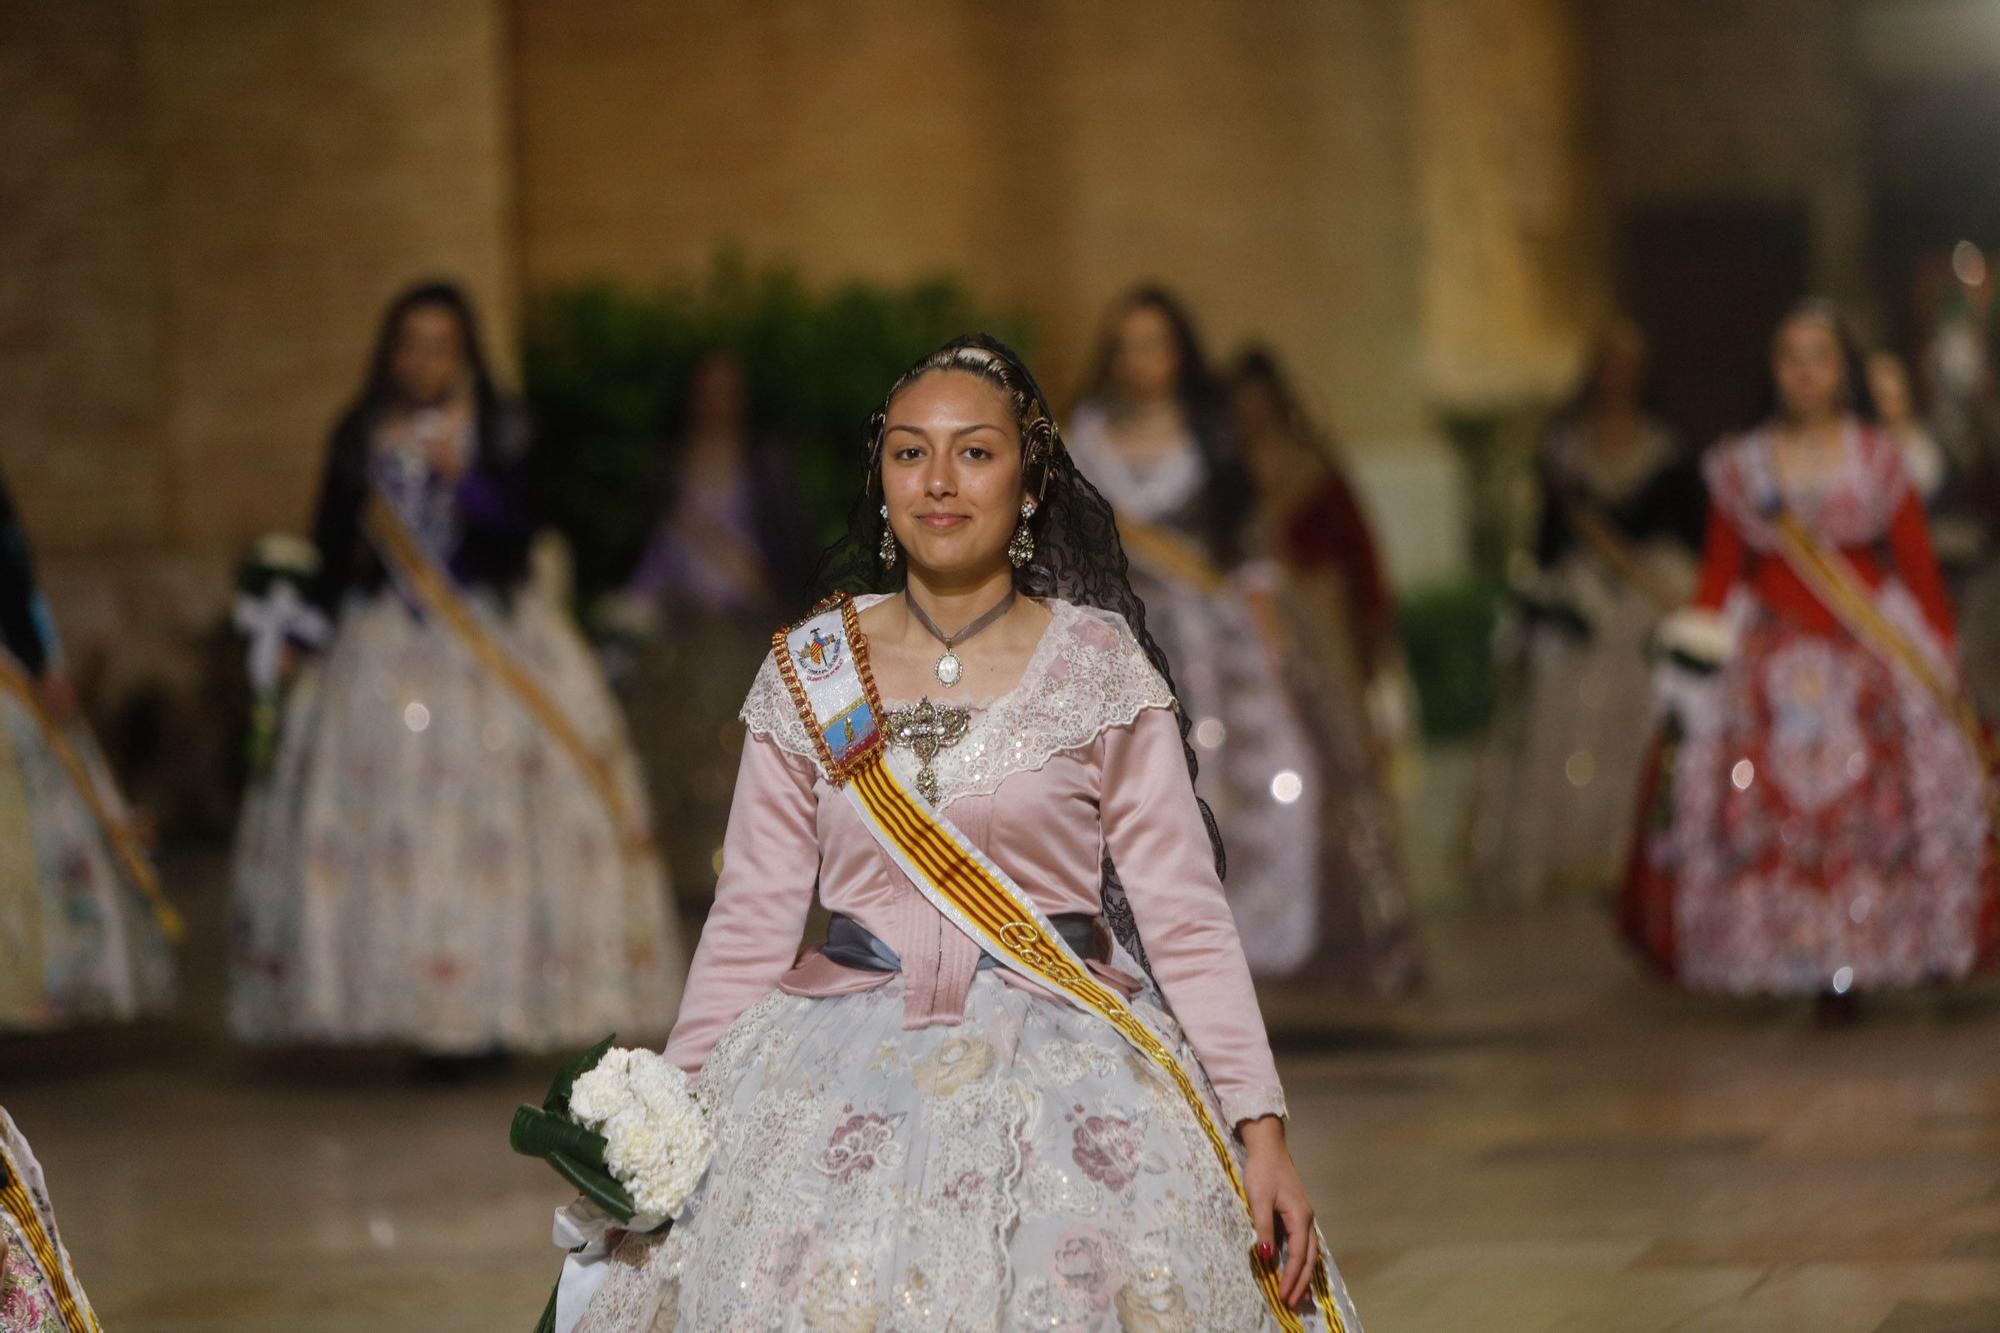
(420, 575)
(1839, 587)
(106, 809)
(77, 1315)
(824, 663)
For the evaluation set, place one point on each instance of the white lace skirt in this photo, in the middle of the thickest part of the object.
(76, 940)
(426, 865)
(1024, 1169)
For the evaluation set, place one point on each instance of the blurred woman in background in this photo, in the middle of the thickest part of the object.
(1154, 434)
(1620, 526)
(83, 929)
(1953, 469)
(450, 850)
(1896, 411)
(1819, 817)
(1344, 669)
(730, 555)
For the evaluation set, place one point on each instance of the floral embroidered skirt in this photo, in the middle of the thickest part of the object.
(425, 864)
(1817, 824)
(1023, 1169)
(77, 942)
(36, 1276)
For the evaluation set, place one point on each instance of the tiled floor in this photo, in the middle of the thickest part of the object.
(1546, 1142)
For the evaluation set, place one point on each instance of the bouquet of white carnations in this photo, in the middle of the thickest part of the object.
(1695, 640)
(271, 611)
(628, 1129)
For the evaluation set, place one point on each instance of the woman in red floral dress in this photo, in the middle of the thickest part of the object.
(1817, 821)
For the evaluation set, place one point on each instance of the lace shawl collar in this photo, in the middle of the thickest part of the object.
(1854, 508)
(1087, 674)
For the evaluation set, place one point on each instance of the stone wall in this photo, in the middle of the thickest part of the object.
(1514, 271)
(205, 205)
(1754, 100)
(1315, 175)
(1256, 156)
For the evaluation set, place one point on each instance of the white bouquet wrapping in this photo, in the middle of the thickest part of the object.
(629, 1129)
(1690, 647)
(272, 614)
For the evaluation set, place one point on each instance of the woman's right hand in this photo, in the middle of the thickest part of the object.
(1279, 1209)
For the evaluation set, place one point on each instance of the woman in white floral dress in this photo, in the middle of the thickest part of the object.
(449, 851)
(907, 1136)
(79, 939)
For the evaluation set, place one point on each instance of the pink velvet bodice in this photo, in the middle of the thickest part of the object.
(1082, 757)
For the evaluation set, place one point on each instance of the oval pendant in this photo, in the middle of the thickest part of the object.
(948, 668)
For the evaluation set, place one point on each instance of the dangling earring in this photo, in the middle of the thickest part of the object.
(886, 552)
(1021, 546)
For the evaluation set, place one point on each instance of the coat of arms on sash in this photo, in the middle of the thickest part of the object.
(821, 655)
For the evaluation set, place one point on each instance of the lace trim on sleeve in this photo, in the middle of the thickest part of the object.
(1254, 1104)
(770, 713)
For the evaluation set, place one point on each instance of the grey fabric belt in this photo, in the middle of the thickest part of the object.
(852, 944)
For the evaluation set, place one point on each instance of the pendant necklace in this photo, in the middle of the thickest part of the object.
(927, 730)
(949, 669)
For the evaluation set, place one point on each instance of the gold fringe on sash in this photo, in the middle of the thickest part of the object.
(77, 1316)
(124, 844)
(1843, 592)
(418, 573)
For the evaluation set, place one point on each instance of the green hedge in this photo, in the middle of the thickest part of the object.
(604, 365)
(1447, 633)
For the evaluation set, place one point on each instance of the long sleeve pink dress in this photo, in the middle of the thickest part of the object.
(946, 1145)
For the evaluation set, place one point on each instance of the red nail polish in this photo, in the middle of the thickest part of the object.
(1264, 1250)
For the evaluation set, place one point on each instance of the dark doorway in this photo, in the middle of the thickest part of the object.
(1708, 282)
(1936, 156)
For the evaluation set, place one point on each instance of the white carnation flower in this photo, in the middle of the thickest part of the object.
(283, 551)
(1702, 636)
(657, 1141)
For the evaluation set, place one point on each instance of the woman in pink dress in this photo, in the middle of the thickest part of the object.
(909, 1137)
(1818, 818)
